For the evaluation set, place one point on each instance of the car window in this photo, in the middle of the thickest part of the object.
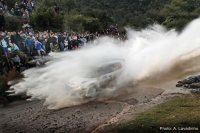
(91, 72)
(110, 68)
(94, 72)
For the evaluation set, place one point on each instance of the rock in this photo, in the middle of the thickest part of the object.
(195, 85)
(179, 85)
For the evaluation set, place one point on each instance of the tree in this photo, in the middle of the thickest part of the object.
(12, 23)
(179, 13)
(44, 17)
(91, 24)
(2, 20)
(102, 15)
(70, 5)
(74, 22)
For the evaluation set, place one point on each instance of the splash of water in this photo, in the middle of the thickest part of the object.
(153, 56)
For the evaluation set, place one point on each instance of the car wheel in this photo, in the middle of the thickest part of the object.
(91, 91)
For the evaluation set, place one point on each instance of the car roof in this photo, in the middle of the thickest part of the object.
(110, 62)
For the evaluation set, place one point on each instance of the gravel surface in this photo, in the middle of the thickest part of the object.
(33, 117)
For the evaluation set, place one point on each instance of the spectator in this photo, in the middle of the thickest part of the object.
(33, 3)
(5, 7)
(4, 45)
(23, 5)
(16, 62)
(52, 42)
(18, 38)
(3, 68)
(29, 45)
(1, 4)
(30, 30)
(69, 41)
(13, 48)
(46, 46)
(38, 47)
(13, 38)
(12, 11)
(61, 42)
(29, 6)
(27, 14)
(66, 44)
(1, 11)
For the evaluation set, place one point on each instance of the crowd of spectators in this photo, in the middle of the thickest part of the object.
(20, 9)
(41, 43)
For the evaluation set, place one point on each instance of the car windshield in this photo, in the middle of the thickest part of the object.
(94, 72)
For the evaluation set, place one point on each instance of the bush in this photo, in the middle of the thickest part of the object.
(44, 17)
(13, 23)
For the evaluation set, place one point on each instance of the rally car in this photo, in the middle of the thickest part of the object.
(96, 78)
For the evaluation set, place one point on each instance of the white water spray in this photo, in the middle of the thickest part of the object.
(153, 56)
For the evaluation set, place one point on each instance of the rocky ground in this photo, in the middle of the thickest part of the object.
(190, 83)
(32, 117)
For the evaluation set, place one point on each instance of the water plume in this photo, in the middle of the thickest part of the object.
(153, 56)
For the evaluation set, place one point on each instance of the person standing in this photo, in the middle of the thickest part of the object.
(61, 42)
(27, 14)
(38, 47)
(68, 37)
(13, 38)
(3, 67)
(4, 46)
(41, 40)
(46, 46)
(29, 45)
(52, 42)
(19, 40)
(16, 63)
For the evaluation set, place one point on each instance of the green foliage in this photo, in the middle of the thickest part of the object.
(44, 17)
(2, 20)
(91, 24)
(197, 10)
(176, 6)
(12, 23)
(125, 12)
(179, 13)
(70, 5)
(172, 22)
(91, 20)
(76, 15)
(74, 22)
(102, 15)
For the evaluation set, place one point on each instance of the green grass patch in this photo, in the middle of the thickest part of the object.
(181, 112)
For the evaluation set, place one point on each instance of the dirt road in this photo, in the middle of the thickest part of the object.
(32, 117)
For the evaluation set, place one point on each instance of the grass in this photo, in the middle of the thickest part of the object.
(181, 112)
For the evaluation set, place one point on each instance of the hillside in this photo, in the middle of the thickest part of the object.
(126, 12)
(135, 7)
(95, 16)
